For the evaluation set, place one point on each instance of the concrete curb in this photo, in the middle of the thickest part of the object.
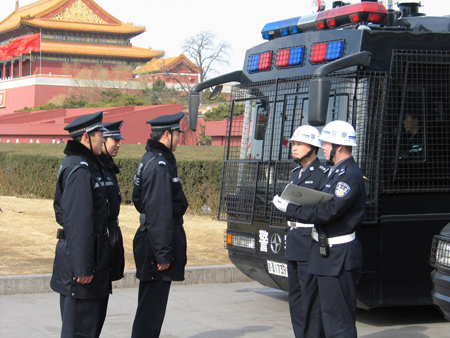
(215, 274)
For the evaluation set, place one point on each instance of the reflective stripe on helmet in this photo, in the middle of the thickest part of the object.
(307, 134)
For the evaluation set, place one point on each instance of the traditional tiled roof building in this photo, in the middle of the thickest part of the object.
(78, 32)
(172, 71)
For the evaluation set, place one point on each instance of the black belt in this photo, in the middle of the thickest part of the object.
(176, 220)
(61, 235)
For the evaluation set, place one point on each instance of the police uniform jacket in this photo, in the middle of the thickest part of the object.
(412, 146)
(298, 241)
(342, 215)
(110, 171)
(159, 196)
(81, 208)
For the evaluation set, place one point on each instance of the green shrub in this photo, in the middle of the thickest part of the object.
(27, 174)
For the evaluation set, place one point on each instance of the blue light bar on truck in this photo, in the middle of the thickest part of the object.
(280, 28)
(363, 12)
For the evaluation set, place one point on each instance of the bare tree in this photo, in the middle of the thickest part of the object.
(205, 53)
(175, 74)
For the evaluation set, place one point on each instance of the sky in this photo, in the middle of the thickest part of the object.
(169, 23)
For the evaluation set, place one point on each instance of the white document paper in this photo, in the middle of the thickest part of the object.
(304, 196)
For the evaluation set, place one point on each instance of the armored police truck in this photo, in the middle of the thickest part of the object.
(386, 71)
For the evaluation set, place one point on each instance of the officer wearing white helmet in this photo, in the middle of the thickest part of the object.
(303, 300)
(336, 255)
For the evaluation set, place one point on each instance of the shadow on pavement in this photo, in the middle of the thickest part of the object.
(233, 333)
(400, 315)
(268, 292)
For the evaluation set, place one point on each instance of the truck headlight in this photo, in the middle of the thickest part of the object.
(240, 241)
(440, 253)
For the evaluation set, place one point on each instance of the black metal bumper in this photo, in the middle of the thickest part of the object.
(255, 267)
(440, 293)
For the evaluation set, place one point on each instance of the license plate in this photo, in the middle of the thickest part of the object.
(275, 268)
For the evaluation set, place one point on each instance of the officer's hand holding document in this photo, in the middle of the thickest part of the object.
(304, 196)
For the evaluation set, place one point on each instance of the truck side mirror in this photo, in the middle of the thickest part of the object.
(319, 95)
(194, 102)
(320, 85)
(216, 92)
(194, 94)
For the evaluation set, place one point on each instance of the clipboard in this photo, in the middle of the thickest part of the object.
(304, 196)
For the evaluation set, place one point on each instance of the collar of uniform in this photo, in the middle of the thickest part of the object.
(108, 163)
(78, 149)
(297, 168)
(340, 167)
(311, 165)
(157, 147)
(316, 165)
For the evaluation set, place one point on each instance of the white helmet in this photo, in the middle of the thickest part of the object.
(308, 135)
(339, 132)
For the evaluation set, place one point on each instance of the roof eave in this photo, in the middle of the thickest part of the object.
(130, 33)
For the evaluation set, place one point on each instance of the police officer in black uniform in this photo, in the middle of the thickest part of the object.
(336, 255)
(303, 300)
(110, 149)
(160, 242)
(413, 141)
(81, 270)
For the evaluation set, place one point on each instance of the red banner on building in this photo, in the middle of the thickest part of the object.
(22, 45)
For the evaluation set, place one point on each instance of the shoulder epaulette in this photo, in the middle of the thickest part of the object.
(341, 171)
(162, 160)
(324, 169)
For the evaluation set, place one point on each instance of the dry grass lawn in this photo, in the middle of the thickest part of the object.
(28, 237)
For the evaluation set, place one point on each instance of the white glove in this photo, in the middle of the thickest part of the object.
(280, 204)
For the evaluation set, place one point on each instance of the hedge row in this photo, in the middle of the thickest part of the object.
(34, 176)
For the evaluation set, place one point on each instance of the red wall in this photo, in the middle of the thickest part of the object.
(46, 125)
(18, 98)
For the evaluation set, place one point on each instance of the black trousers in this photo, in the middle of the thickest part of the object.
(337, 296)
(304, 301)
(82, 317)
(151, 309)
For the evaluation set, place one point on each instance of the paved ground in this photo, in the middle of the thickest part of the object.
(211, 311)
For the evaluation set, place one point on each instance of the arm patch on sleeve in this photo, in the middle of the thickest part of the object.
(342, 189)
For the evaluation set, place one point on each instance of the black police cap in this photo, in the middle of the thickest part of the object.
(167, 122)
(85, 124)
(113, 130)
